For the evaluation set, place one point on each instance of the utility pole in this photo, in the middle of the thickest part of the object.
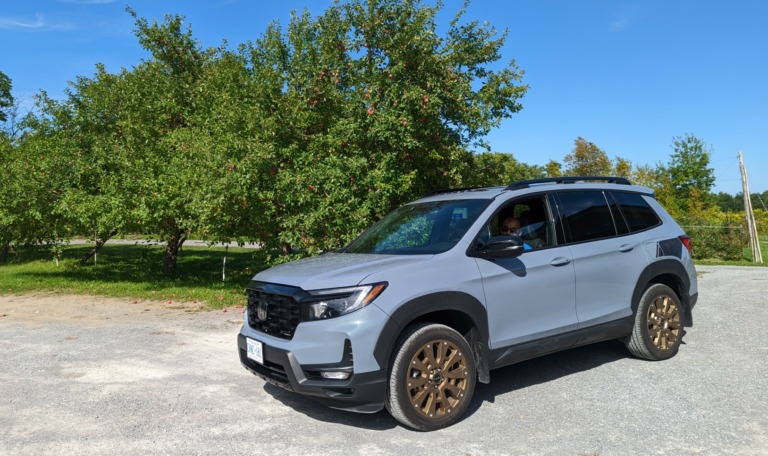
(754, 240)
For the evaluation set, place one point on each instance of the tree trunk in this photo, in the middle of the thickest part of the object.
(286, 248)
(4, 252)
(172, 251)
(100, 241)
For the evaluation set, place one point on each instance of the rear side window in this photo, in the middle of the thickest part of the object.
(637, 211)
(587, 216)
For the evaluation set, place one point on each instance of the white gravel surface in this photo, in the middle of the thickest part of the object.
(87, 375)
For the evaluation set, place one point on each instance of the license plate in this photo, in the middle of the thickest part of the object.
(255, 350)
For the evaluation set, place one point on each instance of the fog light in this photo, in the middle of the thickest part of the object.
(335, 375)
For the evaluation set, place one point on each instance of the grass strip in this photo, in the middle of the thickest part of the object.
(135, 271)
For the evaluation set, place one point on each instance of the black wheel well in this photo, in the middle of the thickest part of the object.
(457, 320)
(670, 280)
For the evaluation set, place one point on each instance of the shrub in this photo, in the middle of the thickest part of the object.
(716, 239)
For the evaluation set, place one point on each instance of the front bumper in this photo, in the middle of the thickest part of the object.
(361, 392)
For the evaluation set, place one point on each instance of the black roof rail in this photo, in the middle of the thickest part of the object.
(567, 180)
(451, 190)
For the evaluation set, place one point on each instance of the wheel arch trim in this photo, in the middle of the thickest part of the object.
(458, 310)
(669, 272)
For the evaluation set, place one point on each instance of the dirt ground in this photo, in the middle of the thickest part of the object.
(92, 375)
(96, 309)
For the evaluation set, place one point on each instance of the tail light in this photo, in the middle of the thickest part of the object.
(686, 242)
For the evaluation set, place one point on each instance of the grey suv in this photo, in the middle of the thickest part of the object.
(434, 296)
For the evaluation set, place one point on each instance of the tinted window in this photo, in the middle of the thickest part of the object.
(586, 215)
(637, 212)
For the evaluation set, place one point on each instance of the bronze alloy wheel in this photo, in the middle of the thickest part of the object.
(437, 379)
(664, 325)
(432, 377)
(659, 324)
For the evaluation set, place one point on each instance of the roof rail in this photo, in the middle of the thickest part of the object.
(451, 190)
(567, 180)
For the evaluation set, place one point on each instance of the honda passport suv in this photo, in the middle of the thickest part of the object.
(425, 303)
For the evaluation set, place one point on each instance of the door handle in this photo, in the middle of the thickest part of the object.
(626, 248)
(560, 261)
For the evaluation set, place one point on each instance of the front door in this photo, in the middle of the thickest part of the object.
(530, 297)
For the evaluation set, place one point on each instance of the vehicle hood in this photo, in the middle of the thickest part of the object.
(332, 270)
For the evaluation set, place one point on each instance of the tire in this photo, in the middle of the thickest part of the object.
(658, 329)
(432, 377)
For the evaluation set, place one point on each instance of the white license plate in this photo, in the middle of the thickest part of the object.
(255, 350)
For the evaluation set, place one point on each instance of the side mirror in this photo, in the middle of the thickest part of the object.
(500, 247)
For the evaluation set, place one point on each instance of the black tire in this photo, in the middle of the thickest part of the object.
(432, 377)
(659, 325)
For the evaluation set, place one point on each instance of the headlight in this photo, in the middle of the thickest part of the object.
(336, 302)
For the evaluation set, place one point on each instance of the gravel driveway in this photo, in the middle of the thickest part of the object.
(86, 375)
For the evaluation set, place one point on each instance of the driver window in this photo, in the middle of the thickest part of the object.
(532, 217)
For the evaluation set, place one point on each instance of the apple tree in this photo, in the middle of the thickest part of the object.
(368, 107)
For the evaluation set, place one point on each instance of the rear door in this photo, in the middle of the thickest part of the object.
(607, 258)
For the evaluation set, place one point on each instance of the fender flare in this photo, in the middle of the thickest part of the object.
(446, 307)
(665, 267)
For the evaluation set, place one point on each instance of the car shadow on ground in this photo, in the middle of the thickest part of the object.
(503, 380)
(378, 421)
(545, 369)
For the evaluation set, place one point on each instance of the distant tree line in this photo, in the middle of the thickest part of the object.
(735, 203)
(298, 140)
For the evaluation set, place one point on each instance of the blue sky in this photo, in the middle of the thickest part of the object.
(627, 75)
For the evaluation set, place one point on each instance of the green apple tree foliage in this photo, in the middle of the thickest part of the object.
(233, 135)
(7, 195)
(299, 139)
(126, 168)
(495, 168)
(198, 136)
(156, 107)
(33, 181)
(83, 132)
(369, 106)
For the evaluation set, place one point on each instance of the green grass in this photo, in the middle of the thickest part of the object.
(135, 271)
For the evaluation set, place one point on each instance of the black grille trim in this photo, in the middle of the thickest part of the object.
(283, 309)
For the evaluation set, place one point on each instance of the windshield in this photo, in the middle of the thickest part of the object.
(420, 228)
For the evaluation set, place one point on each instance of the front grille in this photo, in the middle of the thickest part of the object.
(283, 313)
